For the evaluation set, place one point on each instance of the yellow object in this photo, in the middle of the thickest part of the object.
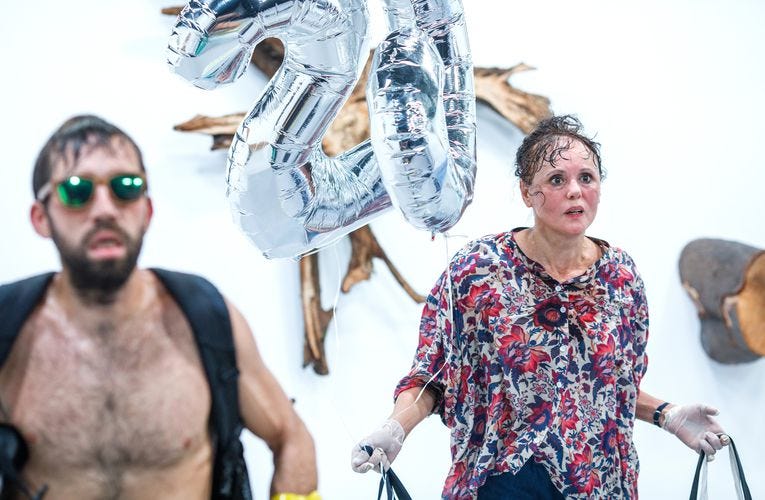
(314, 495)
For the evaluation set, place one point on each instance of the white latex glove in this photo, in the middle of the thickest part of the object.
(694, 426)
(380, 447)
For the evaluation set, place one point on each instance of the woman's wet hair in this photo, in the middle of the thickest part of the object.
(548, 142)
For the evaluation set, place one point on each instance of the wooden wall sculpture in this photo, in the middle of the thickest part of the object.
(351, 127)
(726, 282)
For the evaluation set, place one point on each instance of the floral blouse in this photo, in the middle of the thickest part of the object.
(526, 367)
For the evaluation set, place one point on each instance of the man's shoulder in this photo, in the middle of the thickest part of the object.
(161, 272)
(42, 277)
(189, 290)
(16, 293)
(200, 301)
(17, 301)
(177, 281)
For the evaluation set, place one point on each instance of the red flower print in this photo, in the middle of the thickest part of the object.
(568, 418)
(464, 267)
(455, 476)
(548, 314)
(519, 352)
(540, 414)
(622, 276)
(585, 310)
(603, 362)
(483, 299)
(610, 437)
(582, 473)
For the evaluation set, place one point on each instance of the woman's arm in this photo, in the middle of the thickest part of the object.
(381, 447)
(412, 406)
(647, 406)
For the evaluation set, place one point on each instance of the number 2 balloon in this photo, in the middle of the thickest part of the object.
(285, 193)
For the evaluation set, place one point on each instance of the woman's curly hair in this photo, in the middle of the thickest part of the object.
(548, 142)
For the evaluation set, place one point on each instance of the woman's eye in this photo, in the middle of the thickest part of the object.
(556, 180)
(586, 178)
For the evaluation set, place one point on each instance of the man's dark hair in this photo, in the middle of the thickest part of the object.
(70, 138)
(544, 145)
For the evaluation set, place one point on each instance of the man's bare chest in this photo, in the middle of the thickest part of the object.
(120, 399)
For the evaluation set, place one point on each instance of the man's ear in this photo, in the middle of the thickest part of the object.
(149, 213)
(40, 220)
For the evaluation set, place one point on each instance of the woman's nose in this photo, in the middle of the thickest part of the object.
(574, 190)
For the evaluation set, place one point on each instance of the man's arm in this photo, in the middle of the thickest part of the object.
(269, 414)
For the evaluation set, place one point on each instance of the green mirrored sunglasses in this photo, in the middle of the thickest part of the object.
(77, 190)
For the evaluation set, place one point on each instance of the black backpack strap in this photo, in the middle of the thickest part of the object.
(206, 311)
(17, 301)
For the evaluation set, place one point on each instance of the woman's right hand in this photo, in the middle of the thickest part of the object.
(379, 448)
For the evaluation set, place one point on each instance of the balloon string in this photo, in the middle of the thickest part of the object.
(336, 330)
(336, 334)
(445, 345)
(448, 258)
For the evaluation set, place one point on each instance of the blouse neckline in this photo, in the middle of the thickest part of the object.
(539, 269)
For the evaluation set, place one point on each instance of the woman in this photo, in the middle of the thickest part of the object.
(532, 348)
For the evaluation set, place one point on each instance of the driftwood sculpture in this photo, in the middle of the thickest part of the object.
(349, 128)
(315, 318)
(726, 282)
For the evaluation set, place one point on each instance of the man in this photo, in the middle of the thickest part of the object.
(106, 380)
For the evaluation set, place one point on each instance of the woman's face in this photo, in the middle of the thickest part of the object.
(565, 194)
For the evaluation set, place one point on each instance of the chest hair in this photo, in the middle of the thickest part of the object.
(115, 398)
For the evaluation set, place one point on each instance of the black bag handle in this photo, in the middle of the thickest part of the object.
(738, 471)
(394, 489)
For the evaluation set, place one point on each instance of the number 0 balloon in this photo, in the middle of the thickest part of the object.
(286, 194)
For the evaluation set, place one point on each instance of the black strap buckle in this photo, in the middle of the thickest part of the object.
(13, 456)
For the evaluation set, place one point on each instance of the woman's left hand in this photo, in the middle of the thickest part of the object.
(693, 425)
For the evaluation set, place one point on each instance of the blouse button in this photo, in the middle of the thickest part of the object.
(558, 288)
(563, 309)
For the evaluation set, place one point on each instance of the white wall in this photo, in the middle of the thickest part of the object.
(673, 91)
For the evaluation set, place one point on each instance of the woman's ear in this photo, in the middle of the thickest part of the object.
(39, 218)
(525, 192)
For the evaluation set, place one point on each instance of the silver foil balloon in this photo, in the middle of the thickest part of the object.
(422, 103)
(287, 195)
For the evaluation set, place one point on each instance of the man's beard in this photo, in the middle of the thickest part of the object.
(98, 281)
